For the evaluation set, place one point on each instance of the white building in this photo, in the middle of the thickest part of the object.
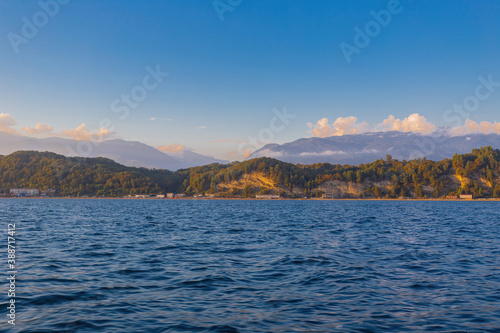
(24, 192)
(267, 196)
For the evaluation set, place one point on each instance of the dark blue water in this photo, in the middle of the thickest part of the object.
(254, 266)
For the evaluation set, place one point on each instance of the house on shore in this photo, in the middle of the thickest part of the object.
(48, 192)
(268, 196)
(327, 196)
(466, 196)
(24, 192)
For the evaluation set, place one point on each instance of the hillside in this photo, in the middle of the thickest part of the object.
(476, 173)
(78, 176)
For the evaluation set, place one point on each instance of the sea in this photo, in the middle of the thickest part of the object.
(251, 266)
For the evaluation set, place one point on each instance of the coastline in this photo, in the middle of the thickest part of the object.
(254, 199)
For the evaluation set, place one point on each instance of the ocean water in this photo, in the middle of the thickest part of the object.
(253, 266)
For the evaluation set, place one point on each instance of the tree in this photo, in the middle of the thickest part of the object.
(247, 192)
(213, 186)
(496, 192)
(418, 191)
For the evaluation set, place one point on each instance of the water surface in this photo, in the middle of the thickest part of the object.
(255, 266)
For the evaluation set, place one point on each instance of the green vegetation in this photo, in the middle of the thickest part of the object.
(476, 173)
(75, 176)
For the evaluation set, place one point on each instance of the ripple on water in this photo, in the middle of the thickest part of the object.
(256, 266)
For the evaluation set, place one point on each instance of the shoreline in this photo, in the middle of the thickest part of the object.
(254, 199)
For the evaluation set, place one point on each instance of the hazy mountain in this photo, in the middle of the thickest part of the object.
(129, 153)
(365, 148)
(192, 159)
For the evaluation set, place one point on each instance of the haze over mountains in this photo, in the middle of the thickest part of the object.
(365, 148)
(128, 153)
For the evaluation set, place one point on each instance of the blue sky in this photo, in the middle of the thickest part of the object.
(227, 76)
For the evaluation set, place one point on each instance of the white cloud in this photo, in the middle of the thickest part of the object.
(6, 122)
(341, 126)
(470, 126)
(152, 118)
(84, 134)
(324, 153)
(39, 129)
(174, 148)
(201, 127)
(349, 125)
(413, 123)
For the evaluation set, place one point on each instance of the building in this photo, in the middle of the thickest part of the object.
(451, 197)
(268, 196)
(466, 196)
(170, 195)
(24, 192)
(48, 192)
(327, 196)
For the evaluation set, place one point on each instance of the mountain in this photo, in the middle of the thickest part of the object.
(128, 153)
(364, 148)
(476, 173)
(191, 159)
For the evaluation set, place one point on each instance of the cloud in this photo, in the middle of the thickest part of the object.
(231, 153)
(174, 148)
(324, 153)
(38, 129)
(341, 126)
(201, 127)
(152, 118)
(349, 125)
(82, 133)
(247, 153)
(470, 126)
(413, 123)
(6, 122)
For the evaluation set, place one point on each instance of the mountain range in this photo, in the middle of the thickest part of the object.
(352, 149)
(358, 149)
(128, 153)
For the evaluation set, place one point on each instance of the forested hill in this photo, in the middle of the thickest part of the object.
(77, 176)
(476, 173)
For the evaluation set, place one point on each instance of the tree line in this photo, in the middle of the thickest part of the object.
(476, 173)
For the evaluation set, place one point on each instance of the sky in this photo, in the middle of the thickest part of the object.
(225, 77)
